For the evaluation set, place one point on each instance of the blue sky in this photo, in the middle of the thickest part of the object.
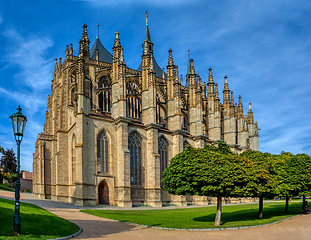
(264, 48)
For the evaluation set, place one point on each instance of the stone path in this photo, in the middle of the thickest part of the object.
(99, 228)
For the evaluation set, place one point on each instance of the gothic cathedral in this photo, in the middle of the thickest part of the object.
(110, 131)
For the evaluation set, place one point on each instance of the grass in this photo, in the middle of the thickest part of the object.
(7, 187)
(37, 223)
(191, 218)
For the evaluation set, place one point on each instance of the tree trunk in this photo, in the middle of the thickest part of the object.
(260, 207)
(218, 213)
(286, 204)
(304, 203)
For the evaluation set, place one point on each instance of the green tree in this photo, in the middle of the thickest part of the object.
(211, 171)
(1, 150)
(8, 161)
(302, 163)
(263, 177)
(1, 177)
(287, 178)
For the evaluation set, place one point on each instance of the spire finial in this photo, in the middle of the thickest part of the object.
(232, 99)
(226, 87)
(210, 76)
(250, 114)
(147, 34)
(97, 29)
(188, 68)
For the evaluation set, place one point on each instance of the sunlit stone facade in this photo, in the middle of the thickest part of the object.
(110, 131)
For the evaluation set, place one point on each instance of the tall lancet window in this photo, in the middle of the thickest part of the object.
(133, 105)
(184, 123)
(102, 152)
(135, 158)
(104, 95)
(161, 115)
(163, 151)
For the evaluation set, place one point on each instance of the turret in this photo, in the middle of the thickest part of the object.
(118, 107)
(250, 114)
(84, 44)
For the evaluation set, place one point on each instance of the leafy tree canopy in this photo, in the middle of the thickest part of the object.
(207, 172)
(8, 161)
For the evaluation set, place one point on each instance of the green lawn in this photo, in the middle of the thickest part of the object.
(190, 218)
(6, 187)
(37, 223)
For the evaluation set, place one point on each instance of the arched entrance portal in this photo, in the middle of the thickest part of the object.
(103, 193)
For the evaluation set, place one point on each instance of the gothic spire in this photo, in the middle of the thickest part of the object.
(250, 114)
(226, 92)
(97, 30)
(210, 76)
(240, 108)
(188, 67)
(210, 84)
(170, 58)
(71, 50)
(147, 34)
(84, 43)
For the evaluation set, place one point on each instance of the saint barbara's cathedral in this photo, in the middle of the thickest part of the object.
(110, 131)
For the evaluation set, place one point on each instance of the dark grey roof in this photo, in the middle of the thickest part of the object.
(104, 55)
(156, 68)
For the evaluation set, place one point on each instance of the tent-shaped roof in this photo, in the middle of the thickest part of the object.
(104, 55)
(156, 68)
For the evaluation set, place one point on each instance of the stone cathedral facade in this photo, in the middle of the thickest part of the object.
(110, 131)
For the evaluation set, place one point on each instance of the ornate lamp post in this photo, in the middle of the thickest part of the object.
(19, 123)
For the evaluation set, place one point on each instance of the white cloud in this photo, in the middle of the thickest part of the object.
(29, 54)
(30, 101)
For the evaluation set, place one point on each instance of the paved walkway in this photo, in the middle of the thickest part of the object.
(99, 228)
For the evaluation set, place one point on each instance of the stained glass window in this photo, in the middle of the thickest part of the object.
(135, 158)
(163, 151)
(102, 152)
(133, 105)
(184, 123)
(104, 96)
(160, 115)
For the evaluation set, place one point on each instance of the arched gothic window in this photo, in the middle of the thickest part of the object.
(163, 151)
(102, 152)
(135, 158)
(205, 131)
(72, 96)
(104, 95)
(161, 115)
(184, 122)
(133, 105)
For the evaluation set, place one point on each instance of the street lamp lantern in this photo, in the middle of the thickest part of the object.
(19, 123)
